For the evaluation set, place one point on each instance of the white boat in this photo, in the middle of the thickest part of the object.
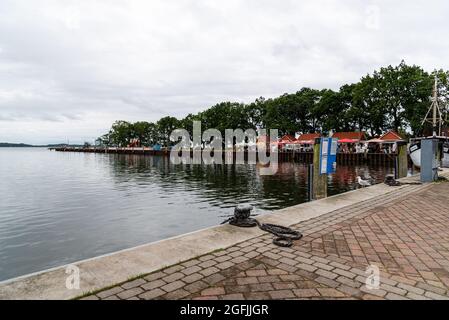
(436, 120)
(415, 150)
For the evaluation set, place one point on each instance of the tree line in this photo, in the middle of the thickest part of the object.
(392, 98)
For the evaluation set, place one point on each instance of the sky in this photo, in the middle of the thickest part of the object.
(68, 69)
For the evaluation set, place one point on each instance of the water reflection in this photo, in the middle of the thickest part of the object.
(58, 208)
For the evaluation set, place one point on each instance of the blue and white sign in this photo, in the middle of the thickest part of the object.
(328, 155)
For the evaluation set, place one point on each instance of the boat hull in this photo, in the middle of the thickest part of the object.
(415, 154)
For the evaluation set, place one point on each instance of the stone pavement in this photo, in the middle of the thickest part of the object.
(404, 233)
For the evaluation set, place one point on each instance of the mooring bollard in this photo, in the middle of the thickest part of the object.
(401, 160)
(319, 188)
(310, 182)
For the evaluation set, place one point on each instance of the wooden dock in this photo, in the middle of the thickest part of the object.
(283, 156)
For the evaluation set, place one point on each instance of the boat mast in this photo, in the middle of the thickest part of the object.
(436, 112)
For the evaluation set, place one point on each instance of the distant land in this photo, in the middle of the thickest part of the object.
(23, 145)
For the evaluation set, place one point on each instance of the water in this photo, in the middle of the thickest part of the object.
(57, 208)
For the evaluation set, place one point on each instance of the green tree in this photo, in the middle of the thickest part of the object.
(122, 132)
(164, 128)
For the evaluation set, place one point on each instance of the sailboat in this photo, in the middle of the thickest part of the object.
(437, 122)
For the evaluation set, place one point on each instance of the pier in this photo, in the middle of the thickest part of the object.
(293, 156)
(400, 230)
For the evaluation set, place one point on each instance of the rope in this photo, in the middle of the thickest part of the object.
(392, 182)
(284, 235)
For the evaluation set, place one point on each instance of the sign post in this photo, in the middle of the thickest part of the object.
(325, 162)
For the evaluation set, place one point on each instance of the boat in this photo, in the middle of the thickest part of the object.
(437, 121)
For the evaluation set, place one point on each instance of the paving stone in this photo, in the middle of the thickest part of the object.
(130, 293)
(257, 296)
(247, 280)
(223, 258)
(327, 282)
(288, 261)
(133, 284)
(431, 288)
(394, 296)
(224, 265)
(374, 292)
(177, 295)
(326, 274)
(415, 296)
(284, 285)
(435, 296)
(196, 286)
(344, 273)
(238, 289)
(256, 273)
(214, 278)
(209, 271)
(354, 292)
(173, 269)
(306, 293)
(281, 294)
(290, 277)
(109, 292)
(173, 286)
(348, 282)
(155, 276)
(192, 278)
(268, 279)
(412, 289)
(306, 267)
(252, 254)
(238, 260)
(173, 277)
(233, 296)
(207, 264)
(323, 266)
(330, 292)
(190, 263)
(213, 291)
(392, 289)
(152, 294)
(153, 284)
(190, 270)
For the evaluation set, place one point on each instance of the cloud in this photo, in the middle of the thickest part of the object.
(70, 68)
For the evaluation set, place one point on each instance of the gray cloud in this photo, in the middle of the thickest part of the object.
(69, 68)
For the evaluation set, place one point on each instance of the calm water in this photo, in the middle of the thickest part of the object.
(57, 208)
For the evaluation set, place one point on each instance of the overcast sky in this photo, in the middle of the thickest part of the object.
(68, 69)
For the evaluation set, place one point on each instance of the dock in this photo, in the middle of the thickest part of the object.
(402, 231)
(283, 156)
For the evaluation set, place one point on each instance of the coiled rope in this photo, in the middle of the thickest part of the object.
(284, 236)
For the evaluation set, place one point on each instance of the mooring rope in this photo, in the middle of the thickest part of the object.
(284, 235)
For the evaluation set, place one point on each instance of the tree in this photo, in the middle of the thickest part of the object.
(164, 128)
(389, 98)
(121, 134)
(146, 132)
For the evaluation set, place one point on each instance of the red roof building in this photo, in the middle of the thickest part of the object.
(356, 136)
(308, 138)
(287, 138)
(391, 136)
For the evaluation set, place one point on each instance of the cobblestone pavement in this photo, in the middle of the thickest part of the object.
(404, 233)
